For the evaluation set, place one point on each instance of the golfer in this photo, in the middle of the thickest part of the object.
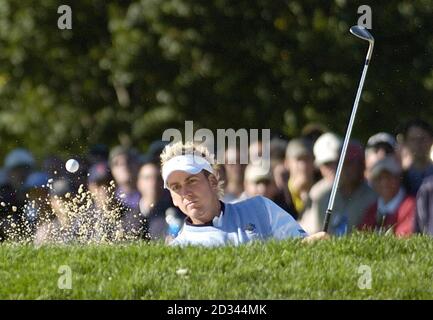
(191, 178)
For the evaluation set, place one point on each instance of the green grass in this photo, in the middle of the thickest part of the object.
(401, 268)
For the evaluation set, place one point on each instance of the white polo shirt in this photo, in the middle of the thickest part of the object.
(257, 218)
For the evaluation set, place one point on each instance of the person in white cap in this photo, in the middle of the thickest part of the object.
(326, 153)
(189, 174)
(258, 180)
(352, 198)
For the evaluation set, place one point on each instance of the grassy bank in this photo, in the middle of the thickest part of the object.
(400, 268)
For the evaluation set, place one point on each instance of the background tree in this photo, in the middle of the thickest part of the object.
(130, 69)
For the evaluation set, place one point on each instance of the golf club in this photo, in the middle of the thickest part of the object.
(362, 33)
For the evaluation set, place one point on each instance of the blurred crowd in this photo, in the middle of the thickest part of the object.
(386, 186)
(116, 195)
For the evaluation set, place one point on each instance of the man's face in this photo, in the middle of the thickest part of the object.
(328, 169)
(149, 179)
(386, 185)
(371, 157)
(418, 142)
(193, 194)
(280, 176)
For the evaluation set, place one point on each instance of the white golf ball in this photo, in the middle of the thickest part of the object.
(72, 165)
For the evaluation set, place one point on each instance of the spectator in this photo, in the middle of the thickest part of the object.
(154, 151)
(255, 151)
(353, 195)
(259, 181)
(312, 131)
(234, 173)
(149, 220)
(7, 202)
(97, 153)
(19, 163)
(418, 138)
(403, 153)
(327, 153)
(378, 147)
(103, 221)
(19, 225)
(395, 209)
(279, 171)
(36, 188)
(300, 164)
(424, 208)
(56, 226)
(123, 165)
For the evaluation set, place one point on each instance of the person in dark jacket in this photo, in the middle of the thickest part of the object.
(424, 208)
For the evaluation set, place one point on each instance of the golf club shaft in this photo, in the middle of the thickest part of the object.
(345, 144)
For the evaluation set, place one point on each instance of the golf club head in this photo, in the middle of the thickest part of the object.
(362, 33)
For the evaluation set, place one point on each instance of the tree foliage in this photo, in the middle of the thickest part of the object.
(130, 69)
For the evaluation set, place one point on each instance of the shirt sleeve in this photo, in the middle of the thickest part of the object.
(282, 224)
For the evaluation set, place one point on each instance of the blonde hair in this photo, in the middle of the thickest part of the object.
(178, 148)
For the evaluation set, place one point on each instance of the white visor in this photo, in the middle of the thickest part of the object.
(189, 163)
